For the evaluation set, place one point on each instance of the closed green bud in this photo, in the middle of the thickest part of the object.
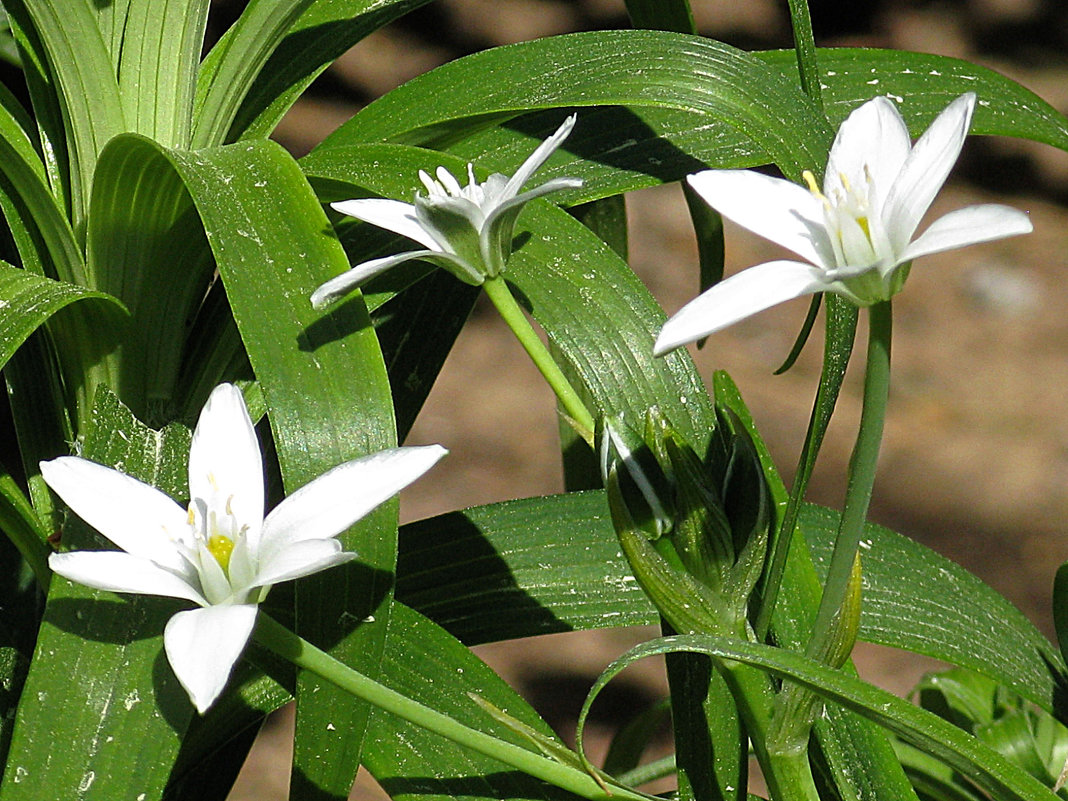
(702, 546)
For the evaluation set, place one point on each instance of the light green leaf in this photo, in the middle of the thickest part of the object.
(923, 85)
(157, 59)
(147, 246)
(322, 33)
(233, 64)
(80, 65)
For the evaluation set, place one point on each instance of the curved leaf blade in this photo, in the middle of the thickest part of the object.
(940, 738)
(602, 68)
(329, 401)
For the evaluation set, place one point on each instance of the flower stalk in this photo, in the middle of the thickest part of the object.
(862, 466)
(498, 292)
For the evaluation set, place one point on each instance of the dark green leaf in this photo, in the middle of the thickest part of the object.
(99, 664)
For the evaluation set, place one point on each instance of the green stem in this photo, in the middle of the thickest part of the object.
(280, 640)
(787, 773)
(862, 466)
(805, 47)
(498, 292)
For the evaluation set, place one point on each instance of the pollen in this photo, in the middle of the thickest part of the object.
(221, 547)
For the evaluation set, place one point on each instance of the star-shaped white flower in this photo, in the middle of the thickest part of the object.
(220, 553)
(857, 233)
(465, 229)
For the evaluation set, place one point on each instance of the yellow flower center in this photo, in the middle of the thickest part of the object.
(221, 547)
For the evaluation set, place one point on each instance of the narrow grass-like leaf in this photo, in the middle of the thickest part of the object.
(81, 67)
(986, 767)
(604, 68)
(160, 53)
(232, 65)
(322, 33)
(47, 104)
(325, 385)
(99, 664)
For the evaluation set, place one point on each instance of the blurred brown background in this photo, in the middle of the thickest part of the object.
(975, 462)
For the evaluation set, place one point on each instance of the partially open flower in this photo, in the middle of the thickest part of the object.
(220, 552)
(465, 229)
(856, 234)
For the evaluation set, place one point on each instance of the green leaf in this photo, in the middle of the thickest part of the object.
(233, 64)
(735, 91)
(43, 236)
(923, 85)
(99, 664)
(80, 65)
(322, 33)
(29, 300)
(147, 246)
(662, 15)
(328, 399)
(984, 766)
(160, 49)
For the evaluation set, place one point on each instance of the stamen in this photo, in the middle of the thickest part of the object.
(810, 179)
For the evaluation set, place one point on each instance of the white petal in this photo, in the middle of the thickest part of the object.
(969, 226)
(203, 645)
(873, 138)
(301, 559)
(926, 169)
(120, 572)
(224, 460)
(738, 297)
(341, 285)
(341, 496)
(393, 215)
(135, 516)
(538, 157)
(775, 209)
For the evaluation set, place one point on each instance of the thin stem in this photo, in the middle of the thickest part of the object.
(805, 47)
(498, 292)
(861, 473)
(650, 771)
(278, 639)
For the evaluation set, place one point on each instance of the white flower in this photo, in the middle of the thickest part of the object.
(220, 553)
(467, 230)
(857, 234)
